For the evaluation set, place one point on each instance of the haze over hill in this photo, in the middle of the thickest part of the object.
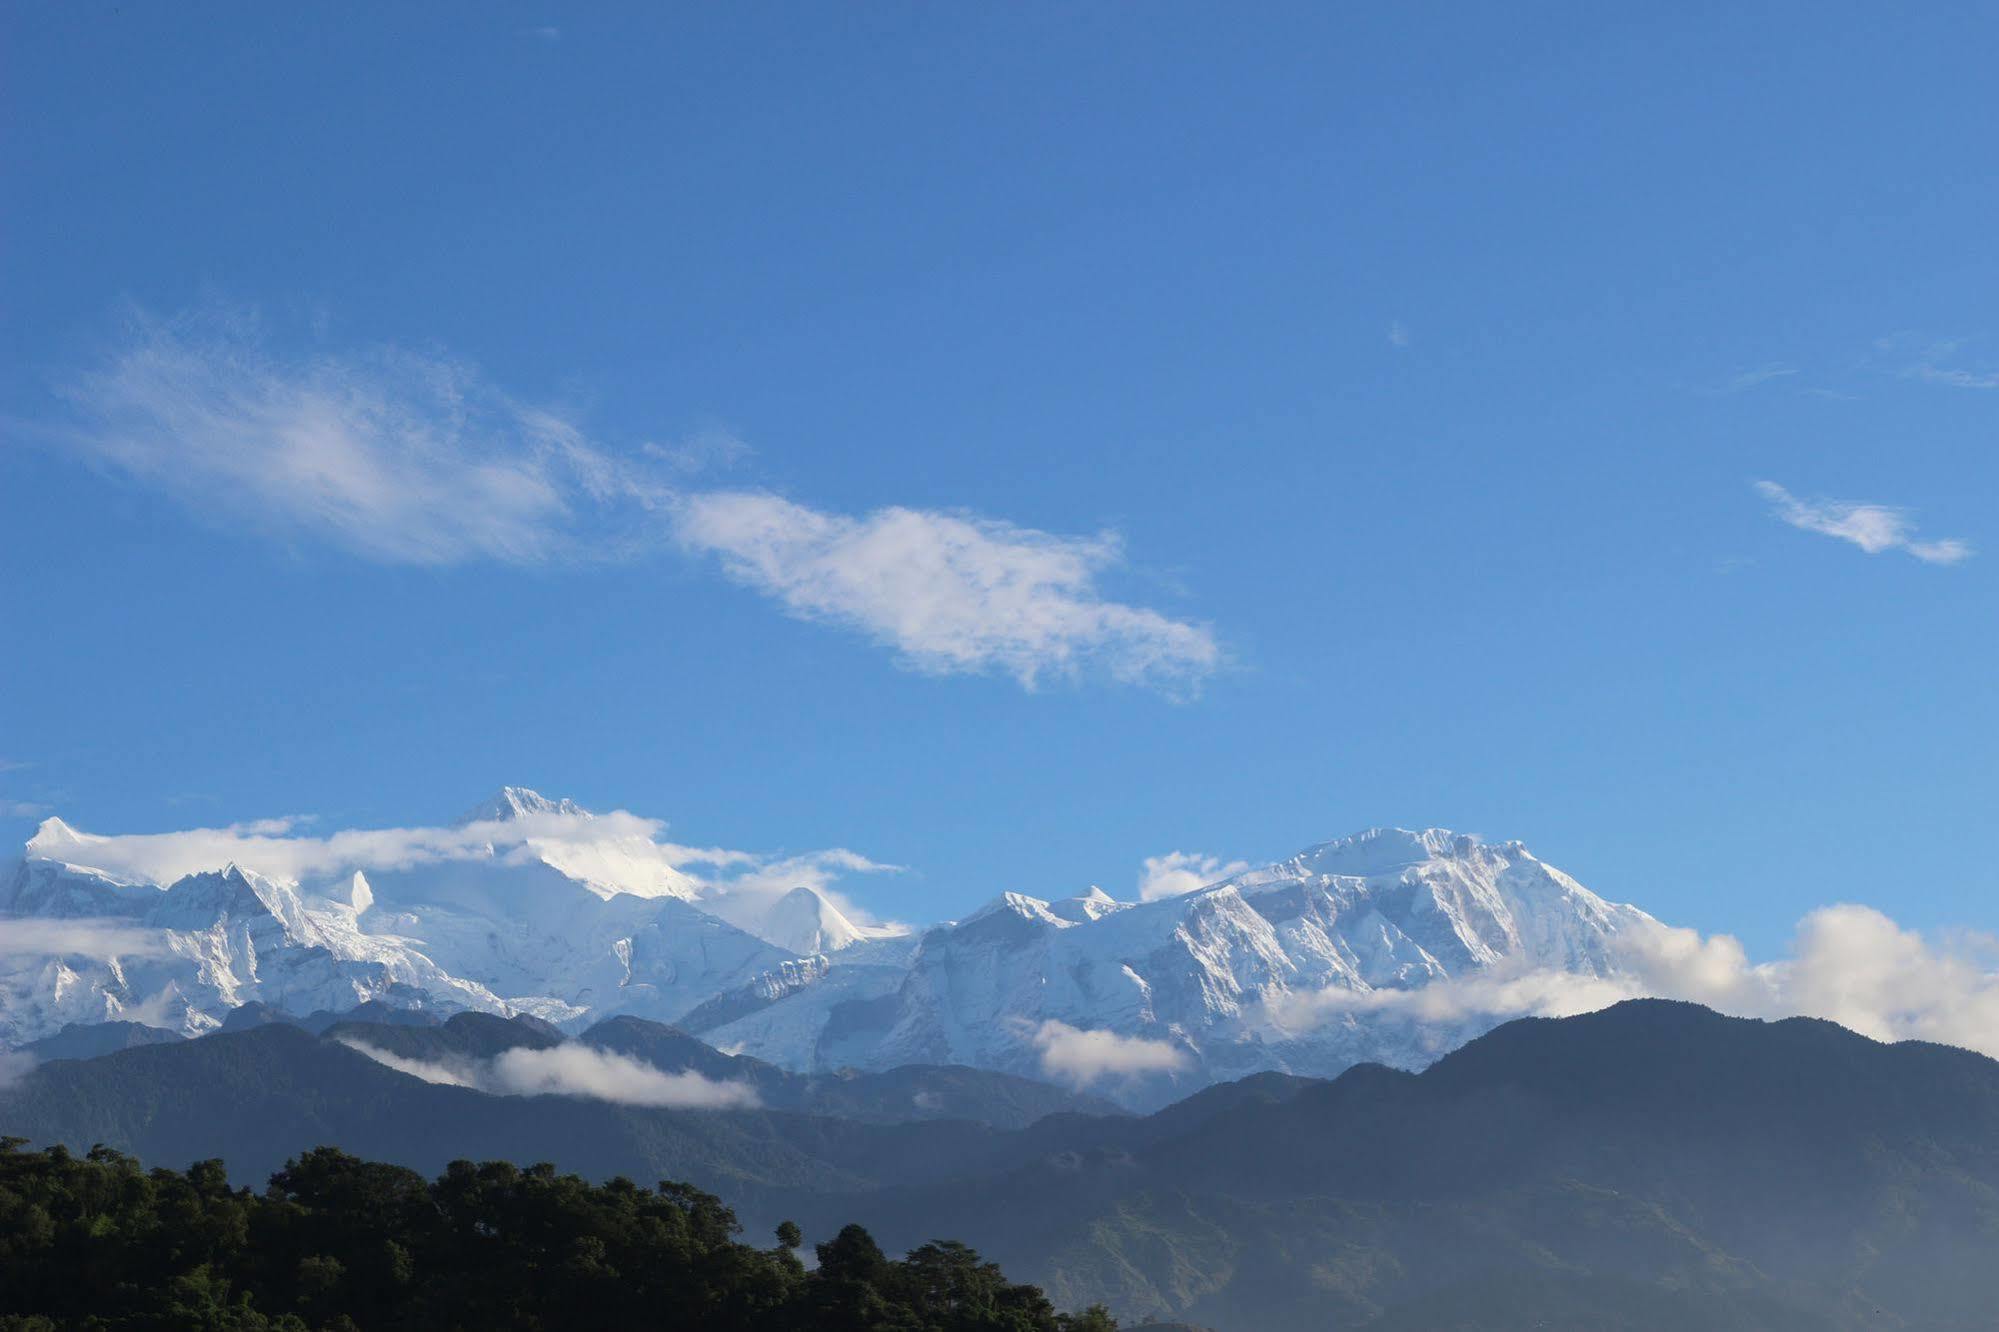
(1652, 1165)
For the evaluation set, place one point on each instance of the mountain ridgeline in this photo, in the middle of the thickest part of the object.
(535, 907)
(1653, 1165)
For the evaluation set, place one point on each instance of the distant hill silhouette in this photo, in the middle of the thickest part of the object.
(1654, 1165)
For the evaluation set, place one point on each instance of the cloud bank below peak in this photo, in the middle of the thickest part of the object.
(1848, 964)
(572, 1070)
(412, 457)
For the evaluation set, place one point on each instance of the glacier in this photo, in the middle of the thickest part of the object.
(536, 906)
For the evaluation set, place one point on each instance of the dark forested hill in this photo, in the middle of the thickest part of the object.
(340, 1244)
(1651, 1166)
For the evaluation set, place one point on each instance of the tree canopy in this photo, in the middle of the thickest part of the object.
(339, 1243)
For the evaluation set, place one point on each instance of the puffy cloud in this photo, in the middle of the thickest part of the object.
(572, 1069)
(1872, 527)
(1085, 1058)
(1850, 964)
(102, 940)
(950, 592)
(1179, 872)
(578, 1070)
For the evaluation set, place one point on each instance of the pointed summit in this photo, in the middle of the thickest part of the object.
(53, 837)
(518, 802)
(1092, 905)
(804, 922)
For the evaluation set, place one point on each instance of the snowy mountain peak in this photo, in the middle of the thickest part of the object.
(1385, 850)
(57, 841)
(1014, 906)
(517, 802)
(1092, 905)
(804, 922)
(355, 892)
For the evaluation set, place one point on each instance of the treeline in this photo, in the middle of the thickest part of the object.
(339, 1243)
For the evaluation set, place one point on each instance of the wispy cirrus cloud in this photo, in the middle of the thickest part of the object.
(1935, 360)
(1872, 527)
(400, 457)
(950, 592)
(1755, 378)
(413, 457)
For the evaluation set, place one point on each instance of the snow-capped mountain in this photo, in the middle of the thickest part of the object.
(807, 923)
(535, 905)
(551, 923)
(1201, 973)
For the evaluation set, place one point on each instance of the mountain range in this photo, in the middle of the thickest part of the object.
(536, 907)
(1652, 1165)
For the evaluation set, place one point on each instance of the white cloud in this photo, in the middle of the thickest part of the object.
(950, 592)
(1179, 872)
(22, 809)
(408, 457)
(432, 1071)
(617, 852)
(1085, 1058)
(34, 936)
(1850, 964)
(572, 1069)
(1872, 527)
(1399, 334)
(399, 456)
(578, 1070)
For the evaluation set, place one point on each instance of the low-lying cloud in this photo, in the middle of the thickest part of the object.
(1872, 527)
(1180, 872)
(1850, 964)
(102, 940)
(572, 1069)
(1085, 1058)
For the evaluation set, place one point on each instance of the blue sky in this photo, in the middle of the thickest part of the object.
(1294, 423)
